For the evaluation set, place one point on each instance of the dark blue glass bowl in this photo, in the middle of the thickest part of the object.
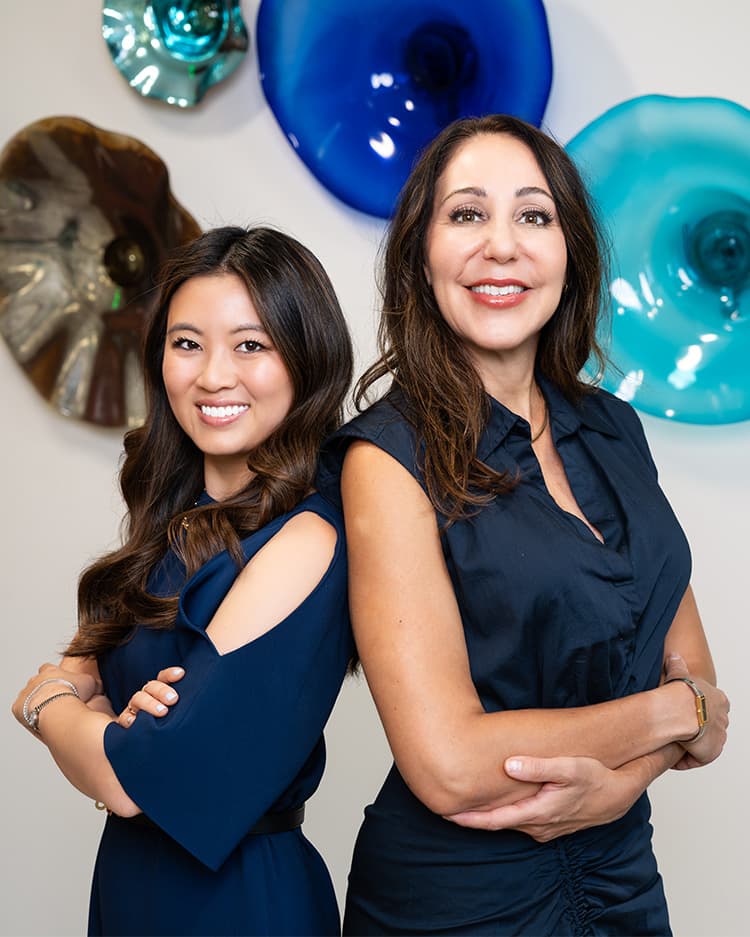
(359, 88)
(671, 179)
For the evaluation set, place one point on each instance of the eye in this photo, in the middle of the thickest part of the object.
(537, 217)
(249, 346)
(466, 215)
(185, 344)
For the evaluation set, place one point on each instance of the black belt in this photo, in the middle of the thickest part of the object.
(281, 822)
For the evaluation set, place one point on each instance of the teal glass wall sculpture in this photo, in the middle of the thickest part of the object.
(360, 87)
(671, 177)
(174, 50)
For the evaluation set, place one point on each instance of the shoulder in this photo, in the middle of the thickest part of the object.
(297, 555)
(386, 426)
(300, 569)
(309, 533)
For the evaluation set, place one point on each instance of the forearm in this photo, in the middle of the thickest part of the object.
(461, 768)
(74, 735)
(642, 771)
(571, 794)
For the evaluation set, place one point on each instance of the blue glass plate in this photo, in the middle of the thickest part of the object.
(174, 50)
(359, 88)
(671, 177)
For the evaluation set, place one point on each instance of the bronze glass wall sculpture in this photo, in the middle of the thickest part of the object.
(86, 219)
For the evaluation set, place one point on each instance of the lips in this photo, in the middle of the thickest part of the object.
(498, 293)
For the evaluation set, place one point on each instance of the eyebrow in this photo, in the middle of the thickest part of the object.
(482, 193)
(187, 327)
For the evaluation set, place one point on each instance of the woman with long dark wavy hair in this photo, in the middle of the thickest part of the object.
(519, 585)
(231, 584)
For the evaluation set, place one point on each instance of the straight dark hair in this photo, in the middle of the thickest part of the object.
(162, 472)
(445, 399)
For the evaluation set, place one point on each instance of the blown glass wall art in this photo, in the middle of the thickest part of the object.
(86, 219)
(359, 88)
(671, 177)
(174, 50)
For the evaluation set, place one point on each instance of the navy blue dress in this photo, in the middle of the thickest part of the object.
(552, 618)
(244, 738)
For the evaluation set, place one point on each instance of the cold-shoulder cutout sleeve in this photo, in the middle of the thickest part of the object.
(246, 721)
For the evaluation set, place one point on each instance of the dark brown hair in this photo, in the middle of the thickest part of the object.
(162, 473)
(446, 401)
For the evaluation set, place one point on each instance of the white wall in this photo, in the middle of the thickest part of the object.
(229, 162)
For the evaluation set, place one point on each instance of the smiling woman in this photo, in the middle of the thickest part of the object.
(227, 384)
(519, 590)
(496, 255)
(231, 582)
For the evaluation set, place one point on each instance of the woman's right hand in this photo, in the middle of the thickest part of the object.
(155, 697)
(710, 745)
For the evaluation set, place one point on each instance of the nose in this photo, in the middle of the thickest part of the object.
(501, 240)
(218, 371)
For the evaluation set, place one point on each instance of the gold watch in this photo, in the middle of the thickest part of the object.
(701, 707)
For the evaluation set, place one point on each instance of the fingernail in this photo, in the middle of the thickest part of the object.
(176, 671)
(160, 707)
(674, 657)
(513, 764)
(129, 719)
(171, 695)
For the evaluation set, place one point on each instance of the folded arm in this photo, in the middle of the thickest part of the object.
(263, 595)
(410, 640)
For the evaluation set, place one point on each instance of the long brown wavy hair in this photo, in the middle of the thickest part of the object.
(445, 399)
(162, 472)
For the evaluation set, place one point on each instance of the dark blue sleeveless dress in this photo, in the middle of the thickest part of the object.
(244, 738)
(552, 618)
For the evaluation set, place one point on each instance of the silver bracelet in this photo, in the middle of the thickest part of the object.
(37, 688)
(33, 719)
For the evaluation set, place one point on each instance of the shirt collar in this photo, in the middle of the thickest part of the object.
(588, 411)
(565, 417)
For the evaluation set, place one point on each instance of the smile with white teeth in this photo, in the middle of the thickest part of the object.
(234, 410)
(490, 289)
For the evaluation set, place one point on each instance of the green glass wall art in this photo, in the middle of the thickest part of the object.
(174, 50)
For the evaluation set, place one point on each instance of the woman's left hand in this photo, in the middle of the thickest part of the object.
(576, 793)
(155, 697)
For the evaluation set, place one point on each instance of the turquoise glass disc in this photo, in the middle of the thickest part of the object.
(671, 177)
(174, 50)
(360, 87)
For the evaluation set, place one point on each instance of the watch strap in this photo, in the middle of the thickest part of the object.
(701, 707)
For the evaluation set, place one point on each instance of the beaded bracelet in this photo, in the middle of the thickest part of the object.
(26, 715)
(33, 719)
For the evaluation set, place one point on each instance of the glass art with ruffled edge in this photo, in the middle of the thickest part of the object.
(670, 178)
(174, 50)
(360, 88)
(86, 220)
